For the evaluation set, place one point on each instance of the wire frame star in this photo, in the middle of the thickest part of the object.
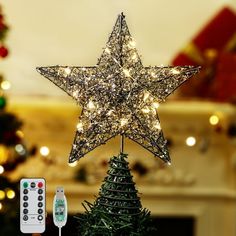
(119, 96)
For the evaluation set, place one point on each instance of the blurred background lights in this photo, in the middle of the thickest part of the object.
(10, 194)
(190, 141)
(5, 85)
(214, 120)
(0, 206)
(1, 169)
(44, 151)
(2, 195)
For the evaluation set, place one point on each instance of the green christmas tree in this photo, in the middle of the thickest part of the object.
(117, 210)
(13, 151)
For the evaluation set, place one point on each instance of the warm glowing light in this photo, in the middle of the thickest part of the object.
(175, 71)
(157, 125)
(109, 112)
(20, 134)
(5, 85)
(169, 163)
(44, 151)
(126, 72)
(19, 148)
(2, 195)
(107, 50)
(214, 120)
(156, 105)
(153, 75)
(123, 122)
(91, 105)
(79, 126)
(190, 141)
(1, 206)
(146, 110)
(73, 164)
(67, 70)
(10, 194)
(146, 96)
(1, 169)
(134, 57)
(132, 43)
(75, 94)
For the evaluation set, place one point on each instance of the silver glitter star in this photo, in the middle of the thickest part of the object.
(119, 95)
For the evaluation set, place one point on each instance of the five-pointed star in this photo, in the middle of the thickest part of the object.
(118, 95)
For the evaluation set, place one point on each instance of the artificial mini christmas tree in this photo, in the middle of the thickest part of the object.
(119, 96)
(117, 210)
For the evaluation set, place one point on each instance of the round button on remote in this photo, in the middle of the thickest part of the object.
(40, 191)
(25, 191)
(25, 198)
(25, 211)
(40, 204)
(32, 185)
(25, 184)
(25, 218)
(40, 211)
(40, 217)
(25, 204)
(40, 184)
(40, 198)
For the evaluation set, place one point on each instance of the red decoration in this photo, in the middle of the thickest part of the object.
(225, 80)
(206, 49)
(3, 51)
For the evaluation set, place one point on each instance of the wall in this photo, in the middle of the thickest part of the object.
(74, 32)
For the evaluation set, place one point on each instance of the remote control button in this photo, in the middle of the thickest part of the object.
(40, 198)
(40, 184)
(32, 185)
(25, 191)
(25, 204)
(25, 217)
(40, 204)
(25, 184)
(25, 198)
(25, 211)
(40, 217)
(40, 191)
(40, 211)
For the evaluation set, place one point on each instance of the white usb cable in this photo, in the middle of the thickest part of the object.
(59, 209)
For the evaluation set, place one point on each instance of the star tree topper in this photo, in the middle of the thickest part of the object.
(118, 95)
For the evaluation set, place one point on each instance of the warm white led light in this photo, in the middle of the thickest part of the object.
(1, 169)
(1, 206)
(5, 85)
(157, 125)
(126, 72)
(2, 194)
(79, 126)
(190, 141)
(107, 50)
(132, 43)
(91, 105)
(146, 110)
(67, 70)
(44, 151)
(175, 71)
(155, 104)
(123, 122)
(214, 120)
(11, 194)
(146, 96)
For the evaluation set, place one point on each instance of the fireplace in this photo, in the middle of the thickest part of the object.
(169, 226)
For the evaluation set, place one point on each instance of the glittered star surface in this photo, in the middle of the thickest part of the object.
(119, 95)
